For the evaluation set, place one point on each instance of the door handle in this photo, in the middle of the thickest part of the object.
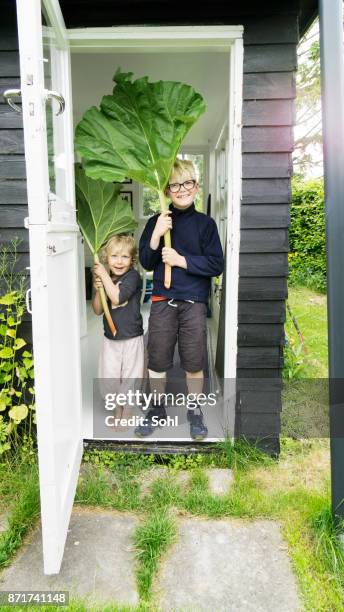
(27, 300)
(50, 95)
(12, 93)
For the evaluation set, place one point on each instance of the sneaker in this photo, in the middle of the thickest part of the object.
(147, 427)
(198, 430)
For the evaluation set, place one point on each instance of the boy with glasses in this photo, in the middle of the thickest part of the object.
(180, 311)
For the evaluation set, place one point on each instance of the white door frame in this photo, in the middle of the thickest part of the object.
(152, 39)
(234, 172)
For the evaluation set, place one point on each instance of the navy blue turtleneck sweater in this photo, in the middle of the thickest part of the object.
(195, 236)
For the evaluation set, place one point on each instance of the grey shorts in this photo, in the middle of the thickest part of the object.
(172, 320)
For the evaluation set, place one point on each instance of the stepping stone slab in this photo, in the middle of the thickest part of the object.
(98, 562)
(148, 477)
(220, 480)
(227, 566)
(182, 478)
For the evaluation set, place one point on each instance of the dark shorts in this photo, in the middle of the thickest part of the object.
(185, 322)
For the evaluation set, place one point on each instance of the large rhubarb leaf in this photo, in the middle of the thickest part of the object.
(138, 130)
(101, 211)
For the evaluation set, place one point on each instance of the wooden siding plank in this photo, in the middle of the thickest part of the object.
(13, 192)
(260, 401)
(269, 86)
(265, 191)
(27, 317)
(260, 28)
(263, 288)
(265, 216)
(259, 383)
(22, 262)
(267, 165)
(270, 58)
(7, 235)
(12, 141)
(9, 64)
(12, 167)
(268, 112)
(25, 332)
(8, 40)
(8, 83)
(13, 216)
(263, 264)
(267, 140)
(262, 312)
(264, 241)
(252, 375)
(271, 29)
(8, 117)
(21, 282)
(259, 424)
(260, 334)
(259, 357)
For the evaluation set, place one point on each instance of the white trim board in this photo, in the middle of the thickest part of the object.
(150, 39)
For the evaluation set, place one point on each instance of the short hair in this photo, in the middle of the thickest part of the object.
(123, 241)
(184, 166)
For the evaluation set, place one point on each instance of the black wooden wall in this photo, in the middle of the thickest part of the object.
(13, 197)
(268, 116)
(267, 143)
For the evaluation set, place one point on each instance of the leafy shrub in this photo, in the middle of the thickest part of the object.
(17, 407)
(118, 460)
(307, 257)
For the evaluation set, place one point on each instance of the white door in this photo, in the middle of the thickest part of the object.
(55, 272)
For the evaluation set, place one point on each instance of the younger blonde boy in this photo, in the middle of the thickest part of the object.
(122, 356)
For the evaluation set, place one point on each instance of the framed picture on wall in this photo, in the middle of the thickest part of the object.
(128, 196)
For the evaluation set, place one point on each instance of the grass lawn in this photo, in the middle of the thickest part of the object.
(309, 309)
(305, 395)
(295, 490)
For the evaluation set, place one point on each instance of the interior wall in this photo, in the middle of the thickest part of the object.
(207, 72)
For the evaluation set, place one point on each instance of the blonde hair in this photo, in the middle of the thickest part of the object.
(182, 167)
(124, 242)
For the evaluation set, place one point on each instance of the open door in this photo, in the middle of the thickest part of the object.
(55, 271)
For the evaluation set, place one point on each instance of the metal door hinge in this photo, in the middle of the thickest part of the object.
(51, 248)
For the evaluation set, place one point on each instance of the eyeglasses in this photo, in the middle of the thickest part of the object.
(188, 185)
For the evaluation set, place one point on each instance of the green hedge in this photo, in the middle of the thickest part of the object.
(307, 257)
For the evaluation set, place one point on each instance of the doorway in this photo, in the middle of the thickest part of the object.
(209, 59)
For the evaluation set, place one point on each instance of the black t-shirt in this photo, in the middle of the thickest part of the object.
(126, 316)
